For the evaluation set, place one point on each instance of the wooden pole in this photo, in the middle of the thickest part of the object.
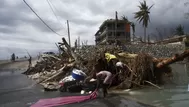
(58, 48)
(116, 18)
(68, 33)
(78, 41)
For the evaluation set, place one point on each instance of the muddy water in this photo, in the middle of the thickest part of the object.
(174, 94)
(18, 90)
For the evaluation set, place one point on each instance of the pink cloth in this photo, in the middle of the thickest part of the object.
(63, 100)
(106, 75)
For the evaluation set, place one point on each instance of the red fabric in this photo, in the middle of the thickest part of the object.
(61, 84)
(63, 100)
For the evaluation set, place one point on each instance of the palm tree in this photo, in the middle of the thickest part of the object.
(143, 15)
(179, 30)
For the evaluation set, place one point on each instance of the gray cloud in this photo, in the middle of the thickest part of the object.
(20, 28)
(7, 29)
(15, 15)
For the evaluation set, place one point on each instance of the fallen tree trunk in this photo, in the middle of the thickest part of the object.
(174, 59)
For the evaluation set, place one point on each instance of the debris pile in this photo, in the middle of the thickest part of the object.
(142, 68)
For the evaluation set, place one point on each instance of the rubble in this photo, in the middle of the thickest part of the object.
(143, 69)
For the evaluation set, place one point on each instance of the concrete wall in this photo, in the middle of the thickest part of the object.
(167, 50)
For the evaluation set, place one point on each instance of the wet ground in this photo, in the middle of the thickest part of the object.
(19, 64)
(174, 94)
(16, 90)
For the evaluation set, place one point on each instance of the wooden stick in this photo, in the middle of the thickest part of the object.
(55, 75)
(153, 84)
(136, 83)
(130, 70)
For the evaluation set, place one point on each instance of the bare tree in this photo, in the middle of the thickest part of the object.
(85, 43)
(159, 34)
(76, 44)
(163, 33)
(154, 36)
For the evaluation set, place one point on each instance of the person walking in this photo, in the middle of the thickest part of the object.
(30, 61)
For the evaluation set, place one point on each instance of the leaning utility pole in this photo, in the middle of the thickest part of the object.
(78, 41)
(116, 19)
(68, 33)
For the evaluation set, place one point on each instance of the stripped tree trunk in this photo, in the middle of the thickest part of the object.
(145, 34)
(177, 57)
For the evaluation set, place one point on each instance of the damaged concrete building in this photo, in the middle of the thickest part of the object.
(113, 31)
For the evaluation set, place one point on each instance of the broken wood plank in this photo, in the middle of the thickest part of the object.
(55, 75)
(47, 56)
(69, 49)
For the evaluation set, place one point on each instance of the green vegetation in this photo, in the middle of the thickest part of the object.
(179, 30)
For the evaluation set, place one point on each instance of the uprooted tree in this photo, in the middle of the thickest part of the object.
(143, 69)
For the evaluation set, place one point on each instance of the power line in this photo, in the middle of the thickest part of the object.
(51, 6)
(41, 19)
(52, 9)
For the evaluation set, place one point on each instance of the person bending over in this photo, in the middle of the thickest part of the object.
(104, 79)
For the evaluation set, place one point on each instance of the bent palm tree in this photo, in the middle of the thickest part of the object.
(143, 15)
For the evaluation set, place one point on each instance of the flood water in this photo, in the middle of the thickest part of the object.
(174, 94)
(17, 90)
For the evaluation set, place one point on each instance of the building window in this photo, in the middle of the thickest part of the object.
(118, 26)
(118, 34)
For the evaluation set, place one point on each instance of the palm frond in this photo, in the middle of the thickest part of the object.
(141, 19)
(143, 14)
(150, 7)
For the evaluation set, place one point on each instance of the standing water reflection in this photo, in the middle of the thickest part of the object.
(174, 94)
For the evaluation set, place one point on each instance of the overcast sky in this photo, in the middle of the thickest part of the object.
(20, 29)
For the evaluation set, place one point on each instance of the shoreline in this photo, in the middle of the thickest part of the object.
(6, 65)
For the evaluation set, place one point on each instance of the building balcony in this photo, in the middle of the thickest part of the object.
(106, 31)
(121, 38)
(103, 34)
